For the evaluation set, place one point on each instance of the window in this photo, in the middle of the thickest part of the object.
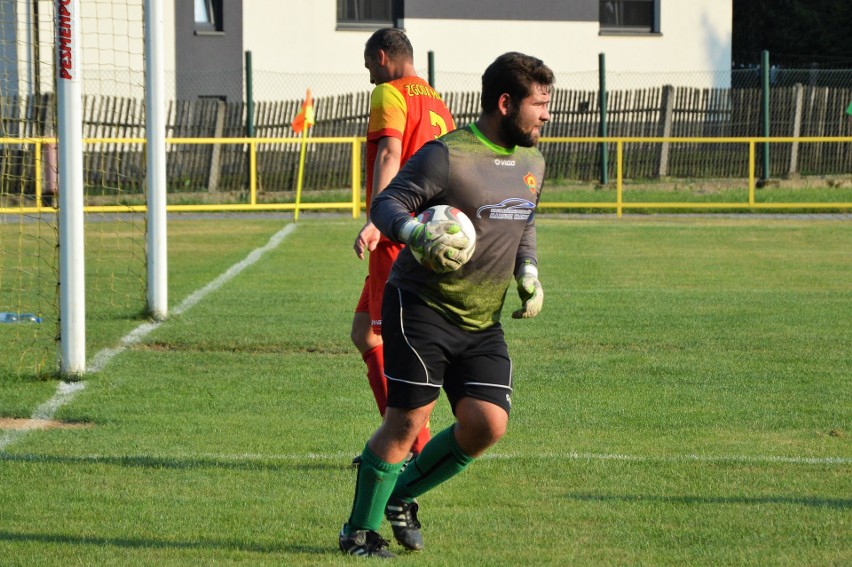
(630, 15)
(366, 13)
(208, 16)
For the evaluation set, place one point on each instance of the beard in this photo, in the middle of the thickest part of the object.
(514, 134)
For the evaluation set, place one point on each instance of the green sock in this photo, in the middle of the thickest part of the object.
(375, 483)
(440, 460)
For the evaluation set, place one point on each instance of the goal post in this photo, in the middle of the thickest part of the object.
(155, 135)
(69, 98)
(82, 136)
(70, 68)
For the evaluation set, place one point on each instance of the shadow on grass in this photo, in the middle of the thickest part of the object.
(839, 503)
(297, 462)
(129, 543)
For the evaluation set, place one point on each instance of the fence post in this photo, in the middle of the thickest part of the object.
(764, 76)
(215, 157)
(666, 115)
(799, 95)
(250, 120)
(356, 178)
(602, 105)
(432, 69)
(822, 113)
(249, 97)
(48, 168)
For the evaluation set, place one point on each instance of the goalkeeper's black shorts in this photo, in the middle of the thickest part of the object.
(424, 352)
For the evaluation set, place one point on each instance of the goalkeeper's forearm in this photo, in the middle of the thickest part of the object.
(389, 215)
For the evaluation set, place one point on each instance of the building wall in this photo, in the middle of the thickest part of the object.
(295, 45)
(209, 64)
(529, 10)
(9, 57)
(111, 52)
(693, 47)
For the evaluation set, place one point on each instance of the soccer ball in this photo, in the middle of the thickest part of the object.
(440, 213)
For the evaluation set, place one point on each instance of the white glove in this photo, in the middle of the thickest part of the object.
(438, 244)
(530, 292)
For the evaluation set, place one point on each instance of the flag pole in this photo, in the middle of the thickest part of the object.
(304, 120)
(301, 173)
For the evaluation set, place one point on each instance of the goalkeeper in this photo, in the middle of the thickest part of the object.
(442, 325)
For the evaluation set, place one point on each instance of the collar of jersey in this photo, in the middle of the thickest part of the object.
(489, 143)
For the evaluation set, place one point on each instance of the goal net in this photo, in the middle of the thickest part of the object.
(109, 65)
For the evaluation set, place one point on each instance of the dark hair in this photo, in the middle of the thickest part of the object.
(513, 73)
(392, 41)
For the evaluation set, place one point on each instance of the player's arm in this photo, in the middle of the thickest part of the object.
(422, 179)
(422, 182)
(387, 163)
(385, 168)
(526, 275)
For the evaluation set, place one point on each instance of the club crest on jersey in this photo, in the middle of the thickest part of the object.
(532, 185)
(508, 209)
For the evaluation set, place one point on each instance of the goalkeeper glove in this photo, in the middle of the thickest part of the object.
(530, 292)
(438, 244)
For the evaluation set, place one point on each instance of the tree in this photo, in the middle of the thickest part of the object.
(797, 33)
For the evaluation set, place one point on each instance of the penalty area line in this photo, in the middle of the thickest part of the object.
(66, 391)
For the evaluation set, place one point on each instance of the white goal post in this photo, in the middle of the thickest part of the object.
(155, 134)
(69, 75)
(69, 97)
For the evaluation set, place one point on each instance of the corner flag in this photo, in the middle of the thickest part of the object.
(305, 118)
(300, 124)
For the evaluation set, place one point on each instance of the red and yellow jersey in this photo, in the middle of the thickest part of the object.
(410, 110)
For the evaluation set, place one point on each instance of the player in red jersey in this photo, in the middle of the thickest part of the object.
(405, 113)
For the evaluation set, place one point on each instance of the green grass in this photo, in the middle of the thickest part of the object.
(683, 399)
(690, 191)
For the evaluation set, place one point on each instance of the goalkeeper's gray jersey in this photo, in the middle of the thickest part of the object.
(498, 189)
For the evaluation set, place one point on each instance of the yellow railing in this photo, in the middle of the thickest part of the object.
(619, 205)
(355, 205)
(39, 168)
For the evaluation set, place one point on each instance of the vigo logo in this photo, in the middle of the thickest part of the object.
(504, 162)
(508, 209)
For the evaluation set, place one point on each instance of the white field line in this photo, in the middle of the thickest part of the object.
(66, 391)
(769, 459)
(344, 458)
(566, 456)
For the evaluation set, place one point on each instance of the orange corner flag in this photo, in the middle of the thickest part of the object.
(306, 114)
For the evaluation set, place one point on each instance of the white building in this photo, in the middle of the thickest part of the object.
(686, 40)
(318, 44)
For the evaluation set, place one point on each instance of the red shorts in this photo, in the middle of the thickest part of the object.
(380, 261)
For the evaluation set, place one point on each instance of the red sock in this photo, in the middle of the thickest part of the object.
(422, 438)
(376, 376)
